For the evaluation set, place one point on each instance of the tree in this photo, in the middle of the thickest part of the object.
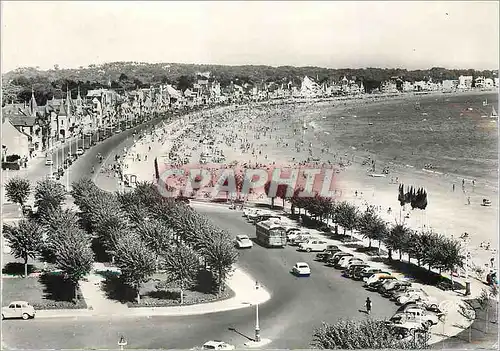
(347, 216)
(221, 255)
(49, 195)
(24, 240)
(364, 334)
(156, 235)
(72, 252)
(135, 260)
(267, 187)
(182, 264)
(395, 238)
(17, 190)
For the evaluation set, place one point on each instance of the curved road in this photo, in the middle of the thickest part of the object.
(297, 306)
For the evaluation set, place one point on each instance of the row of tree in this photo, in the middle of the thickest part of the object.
(416, 198)
(145, 232)
(427, 247)
(142, 231)
(53, 234)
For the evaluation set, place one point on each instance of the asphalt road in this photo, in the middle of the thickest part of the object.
(297, 306)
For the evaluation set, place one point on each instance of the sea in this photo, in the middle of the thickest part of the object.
(447, 133)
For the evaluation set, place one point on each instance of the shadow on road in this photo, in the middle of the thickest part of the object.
(240, 333)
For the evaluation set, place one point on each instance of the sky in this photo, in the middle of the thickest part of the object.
(411, 35)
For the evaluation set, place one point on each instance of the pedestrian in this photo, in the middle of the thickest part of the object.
(368, 305)
(468, 200)
(453, 187)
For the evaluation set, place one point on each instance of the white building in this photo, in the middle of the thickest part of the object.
(310, 88)
(465, 82)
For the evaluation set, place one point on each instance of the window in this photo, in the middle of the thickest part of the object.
(12, 306)
(18, 306)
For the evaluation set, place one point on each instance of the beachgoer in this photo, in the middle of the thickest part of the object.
(468, 200)
(453, 187)
(368, 305)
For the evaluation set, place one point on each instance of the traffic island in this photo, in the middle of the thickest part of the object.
(255, 344)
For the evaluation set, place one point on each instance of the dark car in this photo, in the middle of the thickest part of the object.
(375, 285)
(332, 261)
(348, 273)
(323, 256)
(398, 287)
(60, 170)
(67, 162)
(56, 175)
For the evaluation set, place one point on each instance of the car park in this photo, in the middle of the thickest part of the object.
(313, 245)
(243, 242)
(217, 345)
(18, 309)
(301, 269)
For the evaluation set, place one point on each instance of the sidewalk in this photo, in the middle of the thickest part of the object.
(242, 284)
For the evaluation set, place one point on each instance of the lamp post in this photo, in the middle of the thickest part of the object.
(257, 328)
(122, 342)
(465, 238)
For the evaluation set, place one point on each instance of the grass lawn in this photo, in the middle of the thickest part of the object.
(157, 292)
(48, 291)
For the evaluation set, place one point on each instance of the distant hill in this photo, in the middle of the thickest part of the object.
(17, 84)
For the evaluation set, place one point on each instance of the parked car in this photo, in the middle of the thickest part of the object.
(368, 272)
(419, 304)
(18, 309)
(346, 261)
(377, 277)
(406, 331)
(407, 291)
(385, 284)
(55, 176)
(332, 261)
(348, 272)
(374, 285)
(417, 296)
(79, 151)
(301, 238)
(49, 162)
(323, 256)
(301, 269)
(416, 315)
(265, 217)
(313, 245)
(395, 287)
(217, 345)
(243, 242)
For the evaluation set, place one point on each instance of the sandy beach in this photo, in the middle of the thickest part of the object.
(263, 134)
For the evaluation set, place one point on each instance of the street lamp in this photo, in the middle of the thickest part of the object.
(465, 238)
(122, 342)
(257, 328)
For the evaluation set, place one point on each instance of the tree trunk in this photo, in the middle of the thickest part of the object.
(26, 266)
(390, 254)
(379, 243)
(283, 204)
(293, 209)
(182, 293)
(369, 242)
(76, 291)
(138, 295)
(400, 254)
(272, 202)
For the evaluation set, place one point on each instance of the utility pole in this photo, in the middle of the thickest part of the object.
(257, 327)
(465, 237)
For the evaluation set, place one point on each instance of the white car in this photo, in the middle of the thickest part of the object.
(374, 277)
(18, 309)
(301, 269)
(418, 296)
(217, 345)
(301, 238)
(49, 162)
(79, 151)
(417, 315)
(313, 245)
(243, 242)
(346, 261)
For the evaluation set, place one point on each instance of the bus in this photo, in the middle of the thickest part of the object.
(270, 234)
